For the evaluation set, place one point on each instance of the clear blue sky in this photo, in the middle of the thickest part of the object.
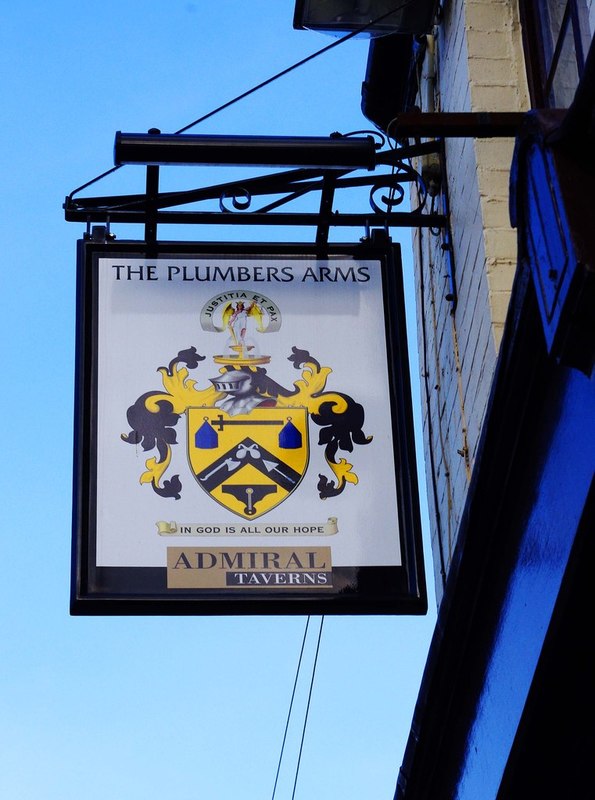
(151, 708)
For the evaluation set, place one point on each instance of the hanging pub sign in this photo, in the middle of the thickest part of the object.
(244, 441)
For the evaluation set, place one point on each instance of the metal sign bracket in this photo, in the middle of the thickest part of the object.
(324, 167)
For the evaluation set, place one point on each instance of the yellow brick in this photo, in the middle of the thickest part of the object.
(500, 243)
(494, 98)
(497, 333)
(501, 274)
(493, 181)
(495, 212)
(495, 44)
(498, 71)
(497, 152)
(499, 306)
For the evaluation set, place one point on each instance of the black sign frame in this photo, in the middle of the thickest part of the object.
(134, 590)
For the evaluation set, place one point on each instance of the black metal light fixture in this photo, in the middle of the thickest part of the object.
(332, 152)
(339, 17)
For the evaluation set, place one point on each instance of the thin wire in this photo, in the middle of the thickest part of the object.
(297, 674)
(297, 769)
(95, 180)
(283, 72)
(328, 47)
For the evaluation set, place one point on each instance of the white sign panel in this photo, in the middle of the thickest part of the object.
(242, 428)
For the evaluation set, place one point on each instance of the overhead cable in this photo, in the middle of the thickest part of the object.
(261, 85)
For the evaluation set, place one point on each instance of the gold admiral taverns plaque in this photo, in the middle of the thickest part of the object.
(287, 568)
(243, 439)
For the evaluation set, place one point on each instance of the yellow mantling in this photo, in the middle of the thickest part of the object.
(312, 383)
(155, 469)
(342, 470)
(181, 392)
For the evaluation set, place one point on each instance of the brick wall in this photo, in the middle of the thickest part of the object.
(478, 67)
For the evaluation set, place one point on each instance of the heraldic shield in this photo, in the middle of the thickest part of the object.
(249, 463)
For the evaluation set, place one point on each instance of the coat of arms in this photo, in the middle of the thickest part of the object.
(247, 436)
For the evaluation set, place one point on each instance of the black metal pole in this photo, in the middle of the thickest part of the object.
(459, 124)
(152, 191)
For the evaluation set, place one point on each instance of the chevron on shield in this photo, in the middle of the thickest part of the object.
(248, 463)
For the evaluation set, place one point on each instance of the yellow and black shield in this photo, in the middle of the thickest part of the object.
(249, 463)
